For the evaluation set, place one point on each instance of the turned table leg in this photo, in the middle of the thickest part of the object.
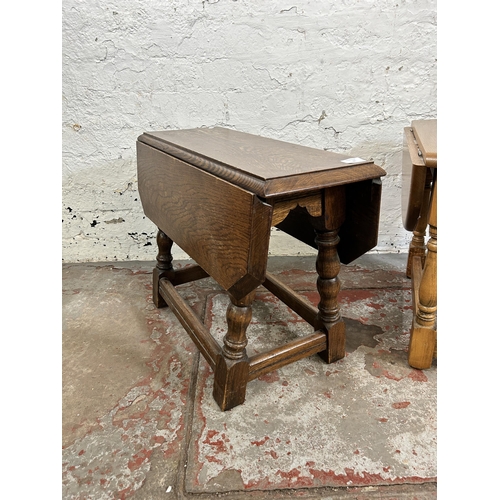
(232, 366)
(163, 267)
(423, 334)
(328, 284)
(417, 245)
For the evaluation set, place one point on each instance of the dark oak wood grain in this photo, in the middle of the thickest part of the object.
(233, 367)
(216, 193)
(188, 274)
(164, 268)
(267, 167)
(303, 347)
(199, 334)
(328, 283)
(230, 223)
(359, 231)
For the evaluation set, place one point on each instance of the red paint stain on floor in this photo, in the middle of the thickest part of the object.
(138, 459)
(270, 377)
(123, 494)
(321, 478)
(218, 444)
(374, 305)
(418, 376)
(349, 296)
(402, 404)
(390, 376)
(295, 478)
(260, 443)
(364, 479)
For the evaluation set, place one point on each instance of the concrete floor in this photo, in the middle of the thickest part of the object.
(139, 420)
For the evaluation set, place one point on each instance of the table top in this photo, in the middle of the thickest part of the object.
(425, 132)
(266, 167)
(419, 160)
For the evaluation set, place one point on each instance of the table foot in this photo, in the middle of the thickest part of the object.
(230, 382)
(335, 338)
(422, 347)
(328, 284)
(232, 365)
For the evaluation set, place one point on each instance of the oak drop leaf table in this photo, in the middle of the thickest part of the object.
(419, 211)
(216, 193)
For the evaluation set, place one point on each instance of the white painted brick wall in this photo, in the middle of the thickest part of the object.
(345, 76)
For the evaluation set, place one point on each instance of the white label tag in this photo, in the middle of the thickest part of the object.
(354, 160)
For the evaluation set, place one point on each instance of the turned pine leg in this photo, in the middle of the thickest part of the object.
(417, 245)
(232, 367)
(163, 267)
(423, 334)
(328, 284)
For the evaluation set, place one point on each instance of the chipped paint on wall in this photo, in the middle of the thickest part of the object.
(322, 74)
